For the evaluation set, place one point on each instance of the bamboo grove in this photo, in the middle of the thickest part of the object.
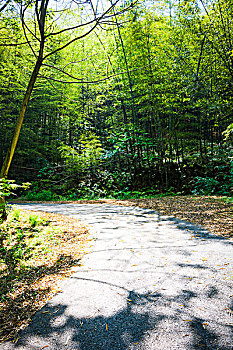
(142, 104)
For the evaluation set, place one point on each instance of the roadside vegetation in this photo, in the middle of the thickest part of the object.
(128, 102)
(141, 106)
(37, 251)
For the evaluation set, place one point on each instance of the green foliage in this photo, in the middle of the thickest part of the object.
(228, 199)
(205, 186)
(228, 133)
(87, 153)
(23, 237)
(34, 220)
(8, 187)
(15, 213)
(161, 123)
(44, 195)
(14, 247)
(209, 186)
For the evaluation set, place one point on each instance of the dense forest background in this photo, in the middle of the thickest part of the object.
(140, 106)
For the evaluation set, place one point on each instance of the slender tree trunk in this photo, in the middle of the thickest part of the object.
(11, 150)
(3, 215)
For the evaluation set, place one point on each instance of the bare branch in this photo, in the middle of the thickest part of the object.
(71, 41)
(83, 24)
(75, 62)
(60, 92)
(5, 5)
(97, 21)
(22, 12)
(29, 30)
(81, 81)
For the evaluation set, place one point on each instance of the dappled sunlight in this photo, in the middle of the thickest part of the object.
(149, 319)
(150, 281)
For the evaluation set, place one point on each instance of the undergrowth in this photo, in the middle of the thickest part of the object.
(36, 252)
(23, 237)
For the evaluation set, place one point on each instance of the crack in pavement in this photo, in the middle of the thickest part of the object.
(150, 282)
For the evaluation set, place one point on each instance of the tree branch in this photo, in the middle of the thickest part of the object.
(97, 21)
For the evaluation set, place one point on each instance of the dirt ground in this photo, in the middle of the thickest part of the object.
(211, 212)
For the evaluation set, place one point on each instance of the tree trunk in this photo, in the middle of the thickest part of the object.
(3, 215)
(19, 122)
(15, 137)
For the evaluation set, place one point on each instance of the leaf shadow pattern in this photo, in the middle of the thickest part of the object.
(158, 321)
(203, 338)
(54, 327)
(26, 290)
(198, 232)
(114, 332)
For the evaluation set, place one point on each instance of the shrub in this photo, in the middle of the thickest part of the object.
(44, 195)
(14, 213)
(34, 220)
(205, 185)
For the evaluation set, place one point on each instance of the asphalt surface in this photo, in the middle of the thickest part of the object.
(150, 282)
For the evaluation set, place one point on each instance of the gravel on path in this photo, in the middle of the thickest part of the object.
(150, 282)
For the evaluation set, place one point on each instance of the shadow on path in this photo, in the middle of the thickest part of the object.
(130, 328)
(183, 308)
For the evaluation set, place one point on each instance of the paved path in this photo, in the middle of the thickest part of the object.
(151, 282)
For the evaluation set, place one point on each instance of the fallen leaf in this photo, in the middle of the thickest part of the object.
(229, 311)
(67, 339)
(16, 339)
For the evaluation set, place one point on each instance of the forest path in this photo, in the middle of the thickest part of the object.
(150, 282)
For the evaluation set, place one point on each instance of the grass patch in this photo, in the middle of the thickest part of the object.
(37, 251)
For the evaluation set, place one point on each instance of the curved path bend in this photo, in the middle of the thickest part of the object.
(151, 282)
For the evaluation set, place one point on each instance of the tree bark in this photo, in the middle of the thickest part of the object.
(3, 215)
(15, 137)
(19, 122)
(11, 150)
